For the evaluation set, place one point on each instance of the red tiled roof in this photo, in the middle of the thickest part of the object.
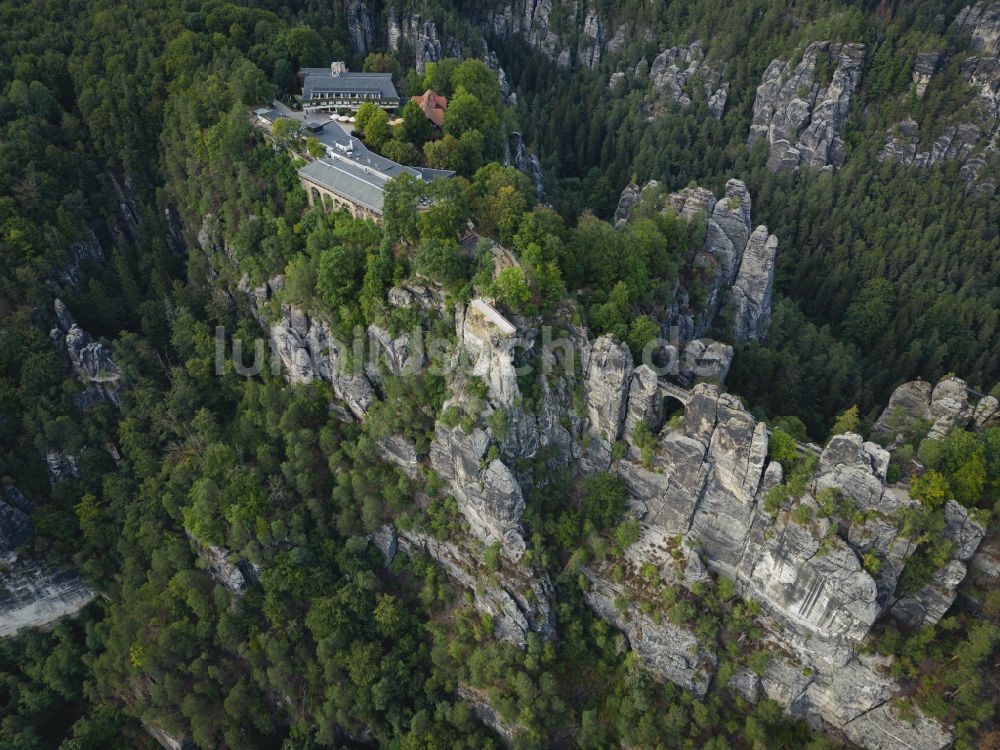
(433, 105)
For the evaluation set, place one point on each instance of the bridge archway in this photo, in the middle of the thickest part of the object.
(672, 409)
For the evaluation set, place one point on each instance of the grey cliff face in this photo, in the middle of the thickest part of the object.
(801, 115)
(735, 265)
(971, 143)
(668, 651)
(32, 595)
(706, 481)
(308, 351)
(517, 156)
(91, 360)
(517, 601)
(678, 72)
(361, 27)
(945, 406)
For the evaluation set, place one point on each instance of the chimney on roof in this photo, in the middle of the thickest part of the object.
(337, 67)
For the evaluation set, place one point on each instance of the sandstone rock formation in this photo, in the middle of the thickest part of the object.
(518, 601)
(751, 292)
(676, 72)
(631, 196)
(735, 266)
(706, 482)
(975, 141)
(516, 155)
(668, 651)
(800, 112)
(91, 360)
(943, 406)
(32, 595)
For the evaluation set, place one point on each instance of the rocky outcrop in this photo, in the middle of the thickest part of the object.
(166, 740)
(925, 65)
(479, 702)
(32, 595)
(606, 394)
(517, 156)
(678, 72)
(943, 406)
(307, 351)
(62, 467)
(361, 27)
(35, 596)
(800, 112)
(86, 251)
(734, 270)
(531, 21)
(91, 360)
(928, 605)
(975, 139)
(668, 651)
(221, 564)
(706, 482)
(421, 36)
(517, 601)
(631, 196)
(751, 292)
(588, 52)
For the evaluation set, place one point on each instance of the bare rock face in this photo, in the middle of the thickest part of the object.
(945, 406)
(517, 156)
(949, 407)
(670, 652)
(857, 699)
(987, 413)
(588, 52)
(735, 266)
(421, 36)
(478, 700)
(751, 292)
(705, 358)
(34, 596)
(91, 360)
(800, 112)
(400, 356)
(308, 351)
(631, 196)
(361, 27)
(488, 496)
(828, 598)
(676, 73)
(908, 403)
(401, 451)
(386, 541)
(490, 339)
(928, 605)
(221, 564)
(530, 20)
(645, 404)
(971, 143)
(924, 68)
(517, 601)
(62, 466)
(606, 393)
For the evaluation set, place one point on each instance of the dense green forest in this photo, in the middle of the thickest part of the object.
(127, 125)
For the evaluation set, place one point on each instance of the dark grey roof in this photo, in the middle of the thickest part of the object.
(356, 183)
(321, 81)
(271, 115)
